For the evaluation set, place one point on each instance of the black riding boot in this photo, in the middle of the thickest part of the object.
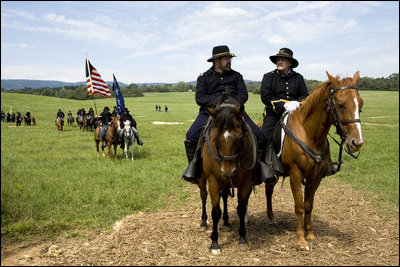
(138, 141)
(265, 173)
(192, 171)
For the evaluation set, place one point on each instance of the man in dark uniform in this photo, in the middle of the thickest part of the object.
(19, 119)
(212, 86)
(105, 118)
(115, 112)
(28, 117)
(61, 115)
(126, 116)
(281, 90)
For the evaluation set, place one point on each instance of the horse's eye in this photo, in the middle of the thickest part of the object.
(340, 106)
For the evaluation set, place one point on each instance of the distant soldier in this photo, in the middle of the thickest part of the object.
(128, 117)
(115, 112)
(28, 117)
(61, 115)
(105, 118)
(19, 119)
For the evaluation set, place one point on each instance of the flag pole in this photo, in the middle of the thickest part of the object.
(91, 83)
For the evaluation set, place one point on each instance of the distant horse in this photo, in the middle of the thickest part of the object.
(90, 122)
(229, 160)
(85, 122)
(129, 138)
(70, 120)
(59, 124)
(79, 121)
(33, 120)
(306, 156)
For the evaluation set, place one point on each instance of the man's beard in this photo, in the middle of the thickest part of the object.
(227, 67)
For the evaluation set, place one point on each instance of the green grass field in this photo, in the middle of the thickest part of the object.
(53, 183)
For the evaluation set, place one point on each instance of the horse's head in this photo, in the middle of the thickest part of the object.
(344, 103)
(228, 135)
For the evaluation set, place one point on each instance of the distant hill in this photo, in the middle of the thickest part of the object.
(12, 84)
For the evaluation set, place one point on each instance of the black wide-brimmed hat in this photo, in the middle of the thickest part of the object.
(220, 51)
(125, 109)
(106, 108)
(286, 53)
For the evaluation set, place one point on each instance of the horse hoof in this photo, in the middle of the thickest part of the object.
(215, 251)
(304, 248)
(243, 242)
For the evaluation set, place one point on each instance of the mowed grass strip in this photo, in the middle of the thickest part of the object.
(54, 182)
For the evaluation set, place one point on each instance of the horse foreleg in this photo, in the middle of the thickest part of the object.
(269, 189)
(309, 193)
(203, 195)
(215, 214)
(296, 186)
(115, 150)
(133, 144)
(243, 198)
(227, 226)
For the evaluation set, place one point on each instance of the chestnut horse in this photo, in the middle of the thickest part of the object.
(306, 156)
(229, 160)
(112, 137)
(70, 120)
(59, 124)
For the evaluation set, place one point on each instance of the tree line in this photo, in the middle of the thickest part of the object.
(390, 83)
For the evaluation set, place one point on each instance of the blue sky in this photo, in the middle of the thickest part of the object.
(171, 41)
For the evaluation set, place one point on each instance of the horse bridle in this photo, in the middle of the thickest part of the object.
(331, 107)
(221, 156)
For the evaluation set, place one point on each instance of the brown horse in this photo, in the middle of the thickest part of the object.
(112, 137)
(59, 124)
(306, 155)
(70, 120)
(229, 158)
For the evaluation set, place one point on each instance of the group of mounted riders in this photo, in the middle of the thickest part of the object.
(281, 90)
(11, 117)
(103, 121)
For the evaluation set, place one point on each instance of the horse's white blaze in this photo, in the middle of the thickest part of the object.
(357, 117)
(226, 135)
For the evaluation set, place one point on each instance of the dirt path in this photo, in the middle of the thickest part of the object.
(348, 230)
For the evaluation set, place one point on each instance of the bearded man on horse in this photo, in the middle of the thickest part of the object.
(105, 118)
(128, 117)
(213, 85)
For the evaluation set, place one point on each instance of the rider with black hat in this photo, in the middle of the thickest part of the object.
(212, 86)
(105, 118)
(126, 116)
(281, 89)
(61, 115)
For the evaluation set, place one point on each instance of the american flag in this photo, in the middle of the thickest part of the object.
(95, 84)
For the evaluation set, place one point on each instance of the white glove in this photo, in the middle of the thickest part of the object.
(291, 106)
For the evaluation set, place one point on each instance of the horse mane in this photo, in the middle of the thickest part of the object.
(225, 109)
(318, 94)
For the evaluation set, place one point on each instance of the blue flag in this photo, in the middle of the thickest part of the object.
(118, 96)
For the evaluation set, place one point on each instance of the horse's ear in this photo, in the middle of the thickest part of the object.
(356, 77)
(212, 112)
(332, 80)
